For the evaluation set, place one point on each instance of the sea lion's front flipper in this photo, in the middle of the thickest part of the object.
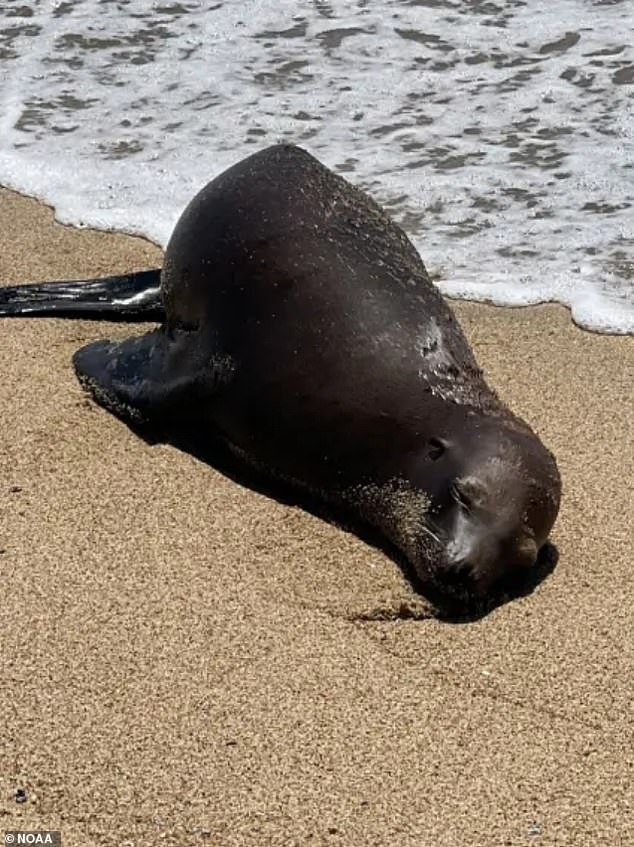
(157, 377)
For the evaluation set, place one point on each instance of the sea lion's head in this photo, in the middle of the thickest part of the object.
(495, 492)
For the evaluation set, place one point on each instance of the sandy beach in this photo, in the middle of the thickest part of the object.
(186, 661)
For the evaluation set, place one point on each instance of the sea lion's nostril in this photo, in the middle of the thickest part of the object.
(526, 553)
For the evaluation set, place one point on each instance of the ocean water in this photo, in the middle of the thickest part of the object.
(499, 133)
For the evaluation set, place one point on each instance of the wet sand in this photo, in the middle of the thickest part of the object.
(186, 661)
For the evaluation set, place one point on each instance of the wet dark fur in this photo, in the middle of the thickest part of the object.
(300, 327)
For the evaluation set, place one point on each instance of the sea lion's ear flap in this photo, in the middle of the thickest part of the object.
(469, 491)
(436, 448)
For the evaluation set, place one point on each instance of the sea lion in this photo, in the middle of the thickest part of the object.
(300, 326)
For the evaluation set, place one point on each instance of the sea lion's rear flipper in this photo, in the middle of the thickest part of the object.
(128, 297)
(158, 378)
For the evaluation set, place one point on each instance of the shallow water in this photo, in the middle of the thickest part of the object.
(500, 134)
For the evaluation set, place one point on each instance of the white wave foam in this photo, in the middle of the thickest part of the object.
(500, 135)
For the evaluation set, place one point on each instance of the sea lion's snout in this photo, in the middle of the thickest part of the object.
(488, 547)
(494, 515)
(485, 566)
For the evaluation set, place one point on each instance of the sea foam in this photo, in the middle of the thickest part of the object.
(500, 135)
